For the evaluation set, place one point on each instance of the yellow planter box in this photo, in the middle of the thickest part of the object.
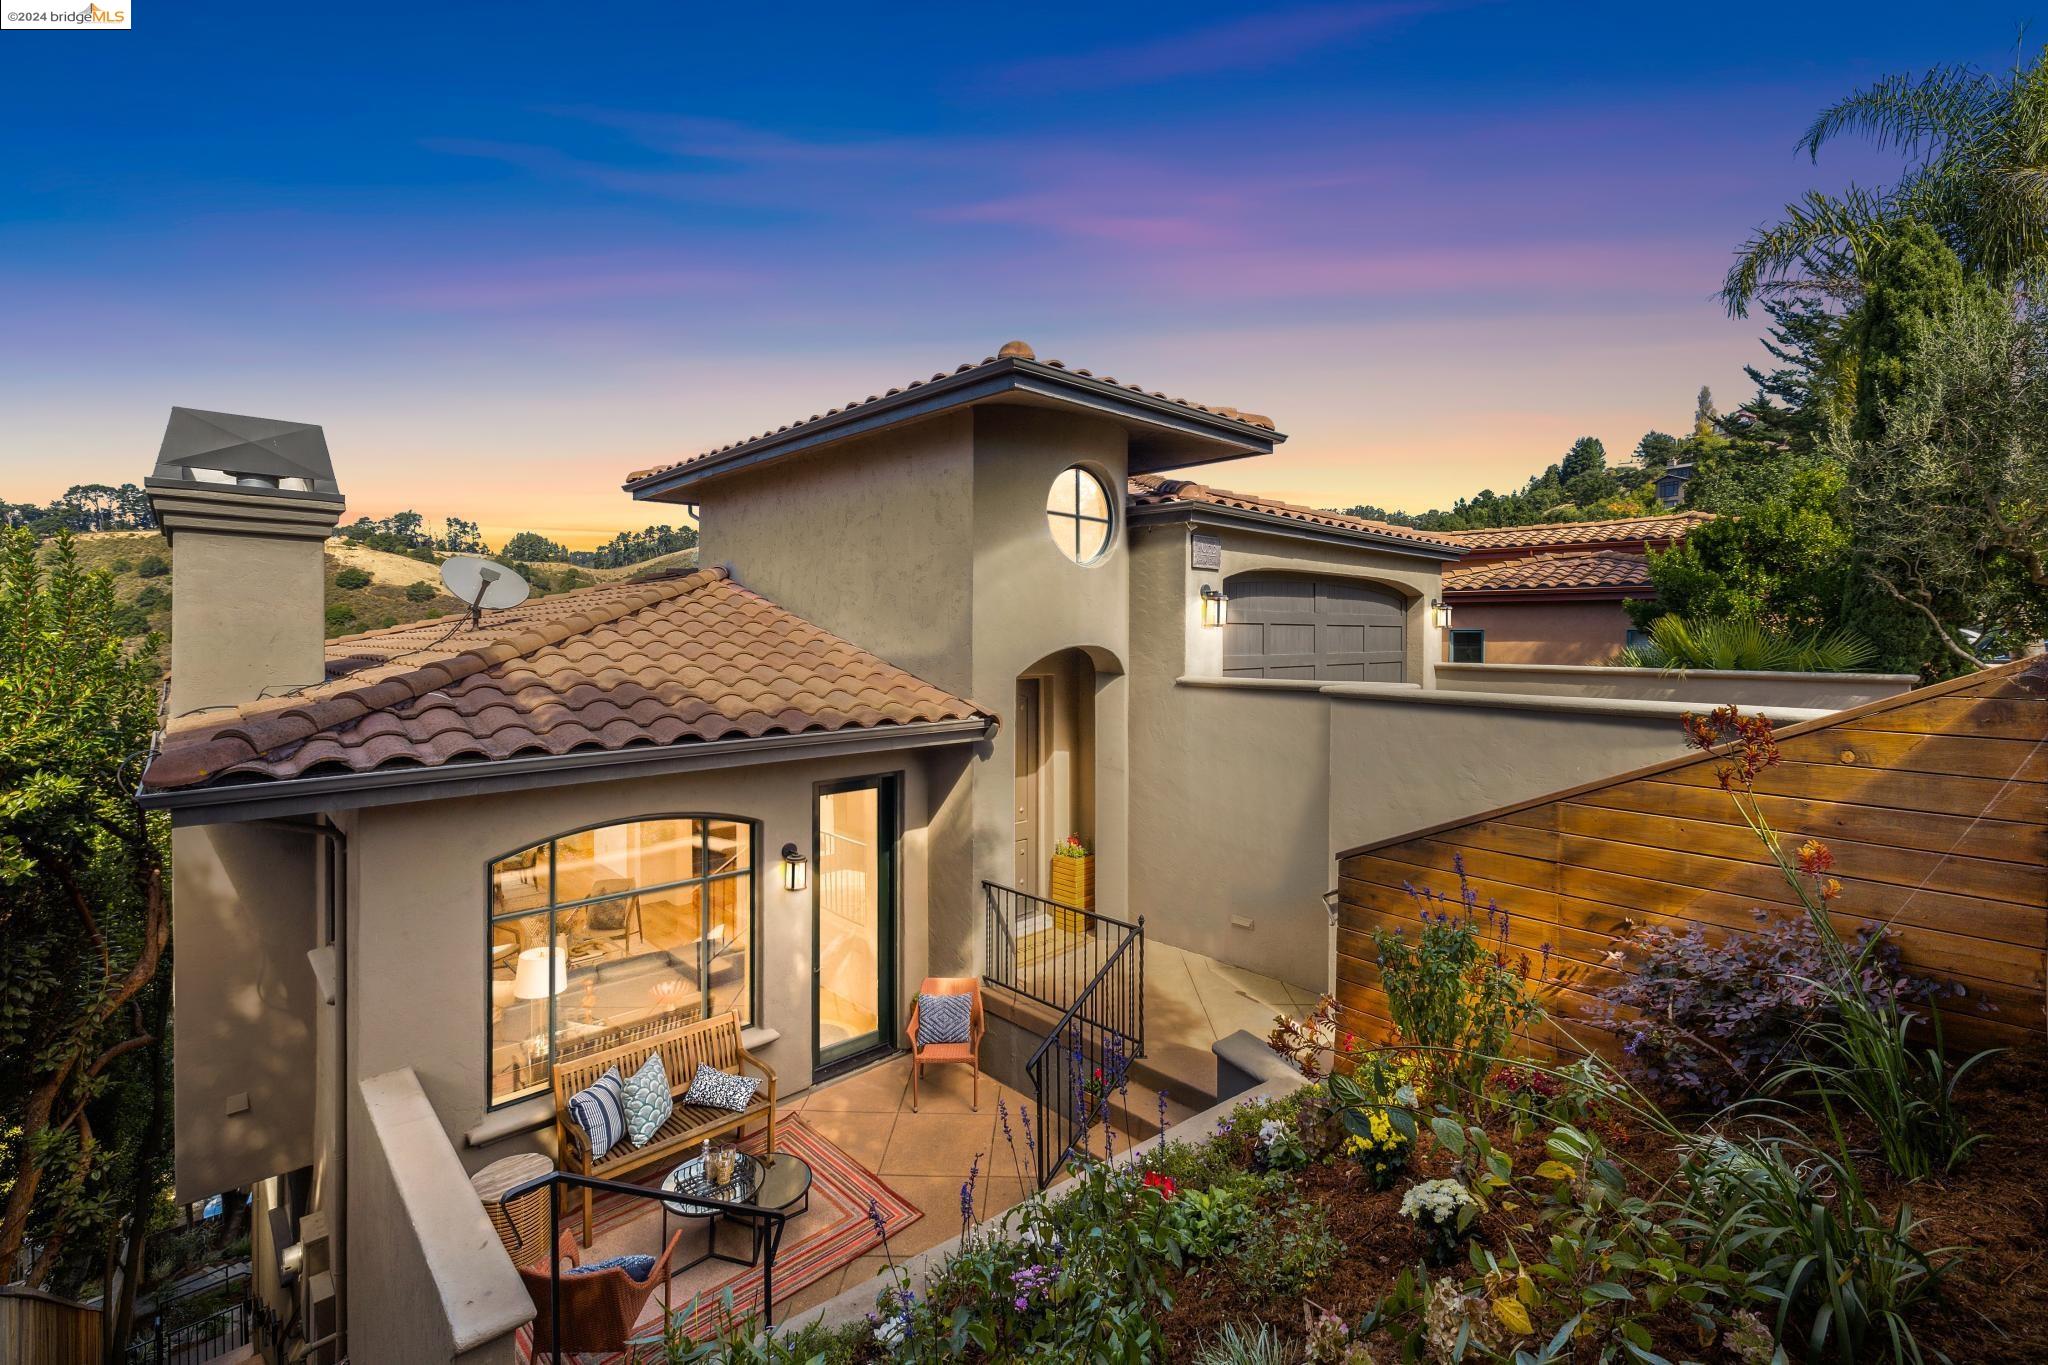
(1073, 883)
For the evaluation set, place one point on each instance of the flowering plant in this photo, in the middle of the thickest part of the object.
(1381, 1149)
(1443, 1210)
(1164, 1184)
(1070, 847)
(1280, 1146)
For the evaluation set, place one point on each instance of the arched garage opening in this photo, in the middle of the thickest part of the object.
(1306, 626)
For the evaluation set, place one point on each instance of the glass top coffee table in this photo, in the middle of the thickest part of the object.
(690, 1179)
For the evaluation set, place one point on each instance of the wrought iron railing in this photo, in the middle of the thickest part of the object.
(173, 1342)
(1089, 967)
(770, 1224)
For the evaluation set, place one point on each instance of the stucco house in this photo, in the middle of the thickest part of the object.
(1553, 593)
(934, 630)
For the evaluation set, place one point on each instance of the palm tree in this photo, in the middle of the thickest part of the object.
(1976, 147)
(1742, 642)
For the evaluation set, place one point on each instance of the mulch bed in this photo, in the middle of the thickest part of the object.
(1994, 1304)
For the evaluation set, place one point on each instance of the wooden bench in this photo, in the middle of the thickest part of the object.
(709, 1042)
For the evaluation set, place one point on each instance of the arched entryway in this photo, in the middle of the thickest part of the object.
(1053, 734)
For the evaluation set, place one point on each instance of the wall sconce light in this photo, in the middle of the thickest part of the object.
(1213, 606)
(1440, 614)
(795, 869)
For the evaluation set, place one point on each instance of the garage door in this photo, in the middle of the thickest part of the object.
(1329, 629)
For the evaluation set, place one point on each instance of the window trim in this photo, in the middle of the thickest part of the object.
(1107, 521)
(1454, 632)
(704, 818)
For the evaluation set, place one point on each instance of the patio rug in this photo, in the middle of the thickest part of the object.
(836, 1231)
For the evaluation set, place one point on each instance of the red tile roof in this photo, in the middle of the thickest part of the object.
(1668, 527)
(683, 658)
(1151, 490)
(1011, 352)
(1551, 573)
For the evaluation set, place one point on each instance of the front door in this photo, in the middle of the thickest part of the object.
(1028, 763)
(853, 900)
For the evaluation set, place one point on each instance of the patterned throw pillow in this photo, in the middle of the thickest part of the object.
(944, 1018)
(637, 1268)
(721, 1089)
(601, 1112)
(647, 1101)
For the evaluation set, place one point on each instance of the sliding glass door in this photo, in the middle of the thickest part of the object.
(853, 903)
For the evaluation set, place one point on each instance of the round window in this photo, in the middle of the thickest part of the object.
(1078, 512)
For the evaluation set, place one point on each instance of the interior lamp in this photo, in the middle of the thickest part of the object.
(1440, 614)
(1213, 606)
(532, 979)
(795, 869)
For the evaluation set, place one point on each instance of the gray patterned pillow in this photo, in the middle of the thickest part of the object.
(944, 1018)
(647, 1101)
(721, 1089)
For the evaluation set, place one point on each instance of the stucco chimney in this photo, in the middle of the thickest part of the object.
(247, 504)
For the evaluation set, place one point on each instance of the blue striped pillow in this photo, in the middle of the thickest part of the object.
(600, 1111)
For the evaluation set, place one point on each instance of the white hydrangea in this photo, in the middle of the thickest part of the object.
(1436, 1201)
(1271, 1131)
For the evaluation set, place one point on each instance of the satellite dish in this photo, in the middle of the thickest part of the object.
(482, 583)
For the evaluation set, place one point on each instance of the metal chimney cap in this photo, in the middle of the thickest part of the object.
(263, 454)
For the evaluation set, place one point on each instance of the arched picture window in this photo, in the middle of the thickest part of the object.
(604, 934)
(1080, 515)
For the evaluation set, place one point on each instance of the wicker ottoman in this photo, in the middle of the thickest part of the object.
(522, 1226)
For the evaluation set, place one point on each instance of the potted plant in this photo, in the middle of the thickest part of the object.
(1073, 881)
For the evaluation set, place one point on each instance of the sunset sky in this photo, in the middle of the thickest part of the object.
(506, 253)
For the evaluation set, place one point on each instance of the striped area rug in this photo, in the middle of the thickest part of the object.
(835, 1232)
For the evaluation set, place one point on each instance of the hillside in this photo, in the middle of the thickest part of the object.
(400, 587)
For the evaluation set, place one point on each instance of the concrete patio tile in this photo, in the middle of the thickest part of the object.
(877, 1090)
(938, 1144)
(950, 1090)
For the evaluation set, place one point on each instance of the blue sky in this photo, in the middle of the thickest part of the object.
(506, 253)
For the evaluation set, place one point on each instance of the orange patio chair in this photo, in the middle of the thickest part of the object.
(599, 1309)
(968, 1052)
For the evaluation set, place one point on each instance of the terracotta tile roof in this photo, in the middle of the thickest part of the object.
(678, 659)
(1671, 526)
(1151, 490)
(1011, 353)
(1551, 573)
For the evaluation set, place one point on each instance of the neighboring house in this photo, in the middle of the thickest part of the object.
(1671, 483)
(936, 631)
(1553, 593)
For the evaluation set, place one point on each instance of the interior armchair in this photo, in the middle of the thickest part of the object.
(616, 921)
(969, 1052)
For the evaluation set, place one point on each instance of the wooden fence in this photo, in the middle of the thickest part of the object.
(1935, 803)
(47, 1330)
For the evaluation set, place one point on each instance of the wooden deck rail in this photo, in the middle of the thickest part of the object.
(1935, 803)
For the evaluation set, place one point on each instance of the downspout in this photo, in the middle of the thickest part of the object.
(334, 934)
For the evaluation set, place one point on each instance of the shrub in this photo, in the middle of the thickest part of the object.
(1841, 1276)
(153, 566)
(1286, 1251)
(419, 592)
(1454, 991)
(340, 617)
(1713, 1017)
(121, 566)
(151, 597)
(352, 578)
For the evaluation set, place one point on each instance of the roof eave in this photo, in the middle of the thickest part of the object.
(1231, 438)
(1498, 596)
(243, 801)
(1270, 523)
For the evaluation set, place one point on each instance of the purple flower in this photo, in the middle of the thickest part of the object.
(1003, 1113)
(1162, 1118)
(967, 1194)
